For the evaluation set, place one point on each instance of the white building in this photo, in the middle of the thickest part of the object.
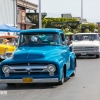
(8, 12)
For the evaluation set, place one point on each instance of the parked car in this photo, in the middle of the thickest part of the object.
(7, 46)
(42, 56)
(86, 44)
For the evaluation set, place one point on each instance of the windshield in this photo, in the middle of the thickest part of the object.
(8, 41)
(32, 39)
(85, 37)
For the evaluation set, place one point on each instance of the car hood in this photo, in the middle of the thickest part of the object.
(4, 45)
(36, 52)
(85, 43)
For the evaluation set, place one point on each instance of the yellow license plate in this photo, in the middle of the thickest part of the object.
(27, 80)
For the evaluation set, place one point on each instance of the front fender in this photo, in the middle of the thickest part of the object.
(59, 61)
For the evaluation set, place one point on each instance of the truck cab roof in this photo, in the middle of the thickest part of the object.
(42, 30)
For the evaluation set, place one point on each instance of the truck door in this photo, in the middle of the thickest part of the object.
(66, 50)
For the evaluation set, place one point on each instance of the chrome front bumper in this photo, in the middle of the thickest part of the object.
(4, 57)
(87, 53)
(42, 80)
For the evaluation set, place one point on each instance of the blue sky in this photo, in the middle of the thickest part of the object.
(54, 8)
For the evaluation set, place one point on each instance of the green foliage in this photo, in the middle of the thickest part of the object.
(91, 27)
(47, 23)
(98, 29)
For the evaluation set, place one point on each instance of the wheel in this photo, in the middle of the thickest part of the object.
(73, 74)
(97, 56)
(77, 57)
(10, 84)
(62, 80)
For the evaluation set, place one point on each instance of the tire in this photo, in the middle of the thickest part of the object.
(62, 80)
(73, 74)
(10, 84)
(77, 57)
(97, 56)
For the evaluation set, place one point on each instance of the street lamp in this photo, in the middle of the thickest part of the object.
(40, 19)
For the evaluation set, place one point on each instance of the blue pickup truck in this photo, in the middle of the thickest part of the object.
(42, 56)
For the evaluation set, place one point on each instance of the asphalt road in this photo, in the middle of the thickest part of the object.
(84, 86)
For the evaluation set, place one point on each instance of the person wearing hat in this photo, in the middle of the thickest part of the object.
(5, 41)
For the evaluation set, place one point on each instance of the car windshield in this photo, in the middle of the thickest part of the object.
(32, 39)
(85, 37)
(8, 41)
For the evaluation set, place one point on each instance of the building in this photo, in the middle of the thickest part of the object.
(84, 21)
(13, 13)
(8, 12)
(22, 6)
(66, 15)
(98, 24)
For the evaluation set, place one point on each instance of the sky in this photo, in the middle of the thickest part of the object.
(54, 8)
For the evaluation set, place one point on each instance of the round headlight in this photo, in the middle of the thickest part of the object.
(51, 68)
(6, 69)
(96, 49)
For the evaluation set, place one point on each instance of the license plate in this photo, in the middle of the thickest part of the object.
(27, 80)
(83, 53)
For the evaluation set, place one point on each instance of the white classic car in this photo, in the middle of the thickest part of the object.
(86, 44)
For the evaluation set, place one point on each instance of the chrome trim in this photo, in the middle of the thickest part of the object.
(42, 80)
(5, 56)
(18, 69)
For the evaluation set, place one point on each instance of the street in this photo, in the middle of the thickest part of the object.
(84, 86)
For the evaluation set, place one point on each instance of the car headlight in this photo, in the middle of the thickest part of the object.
(51, 68)
(96, 49)
(6, 69)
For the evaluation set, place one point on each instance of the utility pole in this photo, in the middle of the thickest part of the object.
(15, 13)
(40, 19)
(81, 11)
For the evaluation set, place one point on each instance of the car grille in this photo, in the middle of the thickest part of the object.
(8, 54)
(83, 49)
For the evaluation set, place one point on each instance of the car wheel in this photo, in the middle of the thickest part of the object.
(62, 80)
(73, 74)
(77, 57)
(97, 56)
(10, 84)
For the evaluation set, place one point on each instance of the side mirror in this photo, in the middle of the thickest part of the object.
(69, 42)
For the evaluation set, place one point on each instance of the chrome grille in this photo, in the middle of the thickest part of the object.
(8, 54)
(83, 48)
(19, 69)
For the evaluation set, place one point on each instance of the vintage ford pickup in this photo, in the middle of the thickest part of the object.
(42, 56)
(86, 44)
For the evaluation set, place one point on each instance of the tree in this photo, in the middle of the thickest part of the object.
(47, 22)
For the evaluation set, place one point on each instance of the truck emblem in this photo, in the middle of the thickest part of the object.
(28, 64)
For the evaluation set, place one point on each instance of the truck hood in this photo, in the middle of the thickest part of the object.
(36, 52)
(85, 43)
